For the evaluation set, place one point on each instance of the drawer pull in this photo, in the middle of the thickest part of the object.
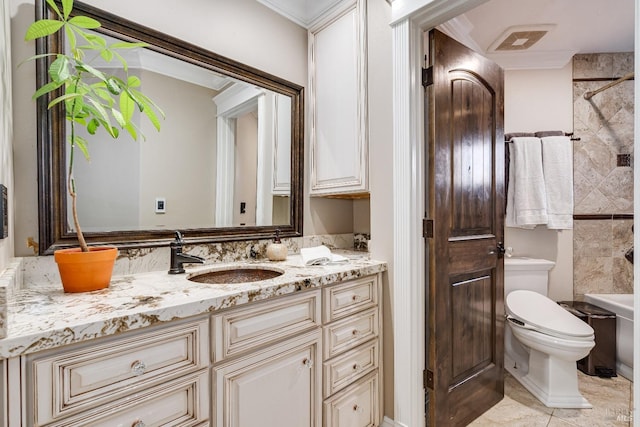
(356, 367)
(138, 368)
(357, 408)
(307, 362)
(356, 298)
(355, 332)
(138, 423)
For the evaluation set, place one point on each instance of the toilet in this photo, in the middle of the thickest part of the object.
(543, 341)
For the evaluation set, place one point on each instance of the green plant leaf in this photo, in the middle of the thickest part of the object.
(83, 66)
(119, 117)
(44, 89)
(106, 54)
(84, 22)
(71, 37)
(127, 107)
(113, 86)
(133, 81)
(92, 126)
(67, 6)
(128, 45)
(132, 131)
(102, 114)
(42, 28)
(151, 115)
(83, 145)
(59, 69)
(66, 96)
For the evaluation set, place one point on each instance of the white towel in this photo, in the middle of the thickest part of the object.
(529, 194)
(557, 155)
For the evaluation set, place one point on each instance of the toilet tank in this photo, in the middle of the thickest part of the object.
(526, 273)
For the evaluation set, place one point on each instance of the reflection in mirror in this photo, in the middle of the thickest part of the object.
(224, 144)
(227, 164)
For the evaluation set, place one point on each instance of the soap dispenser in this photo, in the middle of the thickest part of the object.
(277, 251)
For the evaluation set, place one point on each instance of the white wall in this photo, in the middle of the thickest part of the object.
(6, 130)
(542, 100)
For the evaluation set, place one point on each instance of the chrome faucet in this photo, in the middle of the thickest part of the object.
(178, 258)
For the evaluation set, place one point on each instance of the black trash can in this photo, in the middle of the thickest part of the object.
(601, 361)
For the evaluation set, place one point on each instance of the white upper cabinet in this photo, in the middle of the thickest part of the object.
(338, 102)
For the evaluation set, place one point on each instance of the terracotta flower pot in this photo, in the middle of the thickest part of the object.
(85, 271)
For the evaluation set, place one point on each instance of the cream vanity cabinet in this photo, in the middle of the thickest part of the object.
(352, 369)
(155, 376)
(338, 102)
(311, 358)
(268, 364)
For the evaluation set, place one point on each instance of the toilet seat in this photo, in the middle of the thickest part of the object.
(536, 312)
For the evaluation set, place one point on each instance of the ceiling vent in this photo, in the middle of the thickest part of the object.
(520, 37)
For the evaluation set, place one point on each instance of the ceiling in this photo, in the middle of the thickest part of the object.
(574, 26)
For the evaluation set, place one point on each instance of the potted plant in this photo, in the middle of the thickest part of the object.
(96, 101)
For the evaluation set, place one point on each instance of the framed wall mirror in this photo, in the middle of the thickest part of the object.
(226, 165)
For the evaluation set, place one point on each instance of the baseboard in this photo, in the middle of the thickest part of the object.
(388, 422)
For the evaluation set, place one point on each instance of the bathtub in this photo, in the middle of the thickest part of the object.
(622, 305)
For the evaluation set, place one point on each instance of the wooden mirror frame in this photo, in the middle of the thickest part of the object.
(52, 194)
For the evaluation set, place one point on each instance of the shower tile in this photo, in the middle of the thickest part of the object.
(592, 239)
(622, 276)
(592, 275)
(622, 236)
(592, 65)
(622, 63)
(594, 203)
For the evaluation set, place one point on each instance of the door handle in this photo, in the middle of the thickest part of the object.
(499, 250)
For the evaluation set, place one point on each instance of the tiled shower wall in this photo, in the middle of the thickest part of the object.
(603, 182)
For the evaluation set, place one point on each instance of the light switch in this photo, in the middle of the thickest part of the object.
(161, 205)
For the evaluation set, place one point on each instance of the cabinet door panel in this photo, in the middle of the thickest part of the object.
(183, 402)
(350, 297)
(238, 331)
(280, 387)
(63, 383)
(356, 406)
(338, 69)
(350, 332)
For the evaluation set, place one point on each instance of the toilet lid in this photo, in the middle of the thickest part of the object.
(544, 315)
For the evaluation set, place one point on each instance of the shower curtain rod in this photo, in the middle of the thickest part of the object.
(588, 95)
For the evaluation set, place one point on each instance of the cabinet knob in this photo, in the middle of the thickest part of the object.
(357, 408)
(138, 368)
(355, 332)
(356, 298)
(356, 367)
(307, 362)
(138, 423)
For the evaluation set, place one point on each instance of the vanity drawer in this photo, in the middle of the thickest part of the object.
(348, 333)
(343, 370)
(356, 406)
(350, 297)
(64, 383)
(240, 330)
(183, 402)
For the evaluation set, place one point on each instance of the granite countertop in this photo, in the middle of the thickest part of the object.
(42, 316)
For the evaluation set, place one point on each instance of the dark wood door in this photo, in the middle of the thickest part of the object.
(466, 203)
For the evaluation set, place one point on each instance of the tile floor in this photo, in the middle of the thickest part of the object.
(611, 399)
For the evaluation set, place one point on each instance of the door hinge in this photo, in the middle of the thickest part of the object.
(427, 380)
(427, 77)
(427, 228)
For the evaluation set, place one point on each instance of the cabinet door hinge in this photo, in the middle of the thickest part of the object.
(427, 228)
(427, 380)
(427, 77)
